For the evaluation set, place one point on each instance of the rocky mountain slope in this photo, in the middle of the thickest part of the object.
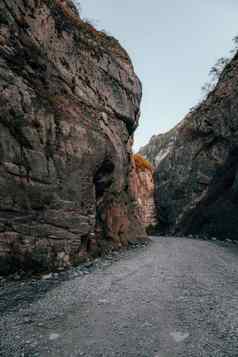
(197, 167)
(158, 147)
(69, 102)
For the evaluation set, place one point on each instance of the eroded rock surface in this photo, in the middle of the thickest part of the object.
(69, 102)
(197, 166)
(158, 147)
(144, 186)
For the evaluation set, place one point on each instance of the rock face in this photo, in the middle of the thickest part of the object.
(197, 169)
(158, 147)
(69, 102)
(145, 192)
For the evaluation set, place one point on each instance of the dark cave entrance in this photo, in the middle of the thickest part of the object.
(103, 178)
(103, 181)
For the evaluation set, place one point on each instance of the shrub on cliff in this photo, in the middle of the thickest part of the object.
(142, 164)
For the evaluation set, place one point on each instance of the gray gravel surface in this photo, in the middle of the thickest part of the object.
(174, 297)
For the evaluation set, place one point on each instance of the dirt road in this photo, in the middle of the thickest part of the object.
(174, 297)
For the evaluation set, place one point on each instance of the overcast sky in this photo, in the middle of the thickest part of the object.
(173, 44)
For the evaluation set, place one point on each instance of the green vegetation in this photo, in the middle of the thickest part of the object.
(51, 3)
(151, 229)
(218, 68)
(4, 17)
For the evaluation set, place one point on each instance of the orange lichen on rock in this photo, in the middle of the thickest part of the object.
(142, 164)
(143, 186)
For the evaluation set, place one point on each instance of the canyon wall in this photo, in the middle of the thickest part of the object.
(69, 106)
(197, 165)
(144, 187)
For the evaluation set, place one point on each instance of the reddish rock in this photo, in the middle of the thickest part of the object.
(143, 186)
(69, 106)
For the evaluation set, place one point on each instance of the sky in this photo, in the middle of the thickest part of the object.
(172, 44)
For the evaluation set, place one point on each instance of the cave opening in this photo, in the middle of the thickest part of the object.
(103, 178)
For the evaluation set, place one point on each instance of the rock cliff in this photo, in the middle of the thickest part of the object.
(197, 165)
(69, 102)
(158, 147)
(145, 192)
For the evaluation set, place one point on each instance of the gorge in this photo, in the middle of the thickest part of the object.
(105, 252)
(70, 187)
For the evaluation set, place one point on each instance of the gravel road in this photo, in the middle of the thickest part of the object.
(174, 297)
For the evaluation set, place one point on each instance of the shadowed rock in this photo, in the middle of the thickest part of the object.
(197, 165)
